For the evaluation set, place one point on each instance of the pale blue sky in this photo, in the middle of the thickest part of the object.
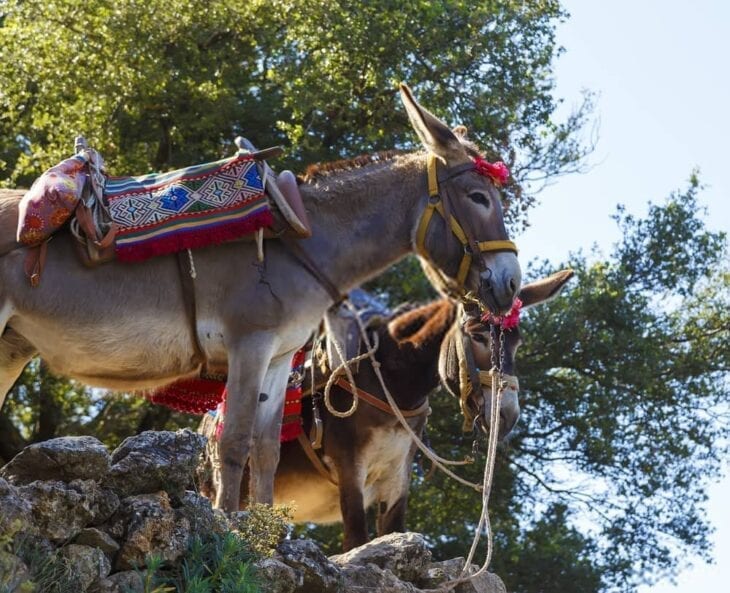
(661, 68)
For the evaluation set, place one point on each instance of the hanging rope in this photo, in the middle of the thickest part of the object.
(486, 487)
(439, 462)
(497, 386)
(345, 365)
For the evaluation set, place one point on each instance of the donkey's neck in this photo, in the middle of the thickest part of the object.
(410, 362)
(364, 219)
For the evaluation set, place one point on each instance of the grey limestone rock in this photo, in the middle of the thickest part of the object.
(153, 461)
(91, 536)
(406, 555)
(199, 512)
(127, 581)
(277, 577)
(64, 458)
(16, 512)
(152, 528)
(440, 573)
(88, 564)
(319, 575)
(372, 579)
(61, 510)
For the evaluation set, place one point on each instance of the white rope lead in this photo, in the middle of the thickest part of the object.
(345, 365)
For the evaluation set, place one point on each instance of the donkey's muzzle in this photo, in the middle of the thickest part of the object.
(509, 413)
(500, 285)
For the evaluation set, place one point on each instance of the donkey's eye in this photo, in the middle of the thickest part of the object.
(479, 338)
(479, 198)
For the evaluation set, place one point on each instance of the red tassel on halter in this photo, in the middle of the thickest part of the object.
(498, 172)
(506, 322)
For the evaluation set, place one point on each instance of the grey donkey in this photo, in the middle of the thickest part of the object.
(125, 327)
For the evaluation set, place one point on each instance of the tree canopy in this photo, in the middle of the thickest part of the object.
(625, 418)
(156, 85)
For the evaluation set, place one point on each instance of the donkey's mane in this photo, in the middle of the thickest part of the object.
(423, 324)
(319, 170)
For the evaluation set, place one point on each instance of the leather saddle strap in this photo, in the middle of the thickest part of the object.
(304, 258)
(35, 261)
(378, 403)
(314, 458)
(187, 283)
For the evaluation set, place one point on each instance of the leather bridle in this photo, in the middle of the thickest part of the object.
(442, 200)
(472, 379)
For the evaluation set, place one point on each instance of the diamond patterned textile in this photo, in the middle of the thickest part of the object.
(188, 208)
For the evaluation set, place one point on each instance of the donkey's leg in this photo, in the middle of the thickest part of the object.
(352, 503)
(15, 353)
(248, 361)
(393, 518)
(394, 499)
(266, 447)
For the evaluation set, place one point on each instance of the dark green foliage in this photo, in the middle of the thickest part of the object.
(157, 85)
(42, 405)
(560, 558)
(213, 564)
(624, 390)
(47, 572)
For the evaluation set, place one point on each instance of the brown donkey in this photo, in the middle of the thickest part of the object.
(126, 327)
(367, 457)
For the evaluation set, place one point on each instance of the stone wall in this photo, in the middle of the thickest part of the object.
(105, 514)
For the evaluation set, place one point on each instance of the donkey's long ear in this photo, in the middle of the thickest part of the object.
(434, 134)
(543, 290)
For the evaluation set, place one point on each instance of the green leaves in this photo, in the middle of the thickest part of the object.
(670, 249)
(157, 85)
(624, 387)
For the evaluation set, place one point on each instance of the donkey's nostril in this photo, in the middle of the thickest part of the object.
(512, 285)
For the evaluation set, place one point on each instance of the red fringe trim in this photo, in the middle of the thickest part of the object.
(199, 396)
(194, 239)
(190, 396)
(291, 431)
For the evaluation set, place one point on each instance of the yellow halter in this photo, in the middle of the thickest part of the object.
(435, 205)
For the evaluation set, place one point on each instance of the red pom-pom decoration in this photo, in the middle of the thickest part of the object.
(506, 322)
(497, 172)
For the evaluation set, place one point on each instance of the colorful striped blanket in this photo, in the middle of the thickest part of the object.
(185, 209)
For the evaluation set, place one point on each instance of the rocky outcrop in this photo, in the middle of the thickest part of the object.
(154, 461)
(406, 555)
(66, 459)
(106, 516)
(394, 563)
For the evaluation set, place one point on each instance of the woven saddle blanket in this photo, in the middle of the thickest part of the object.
(189, 208)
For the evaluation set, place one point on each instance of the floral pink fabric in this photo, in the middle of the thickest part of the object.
(51, 200)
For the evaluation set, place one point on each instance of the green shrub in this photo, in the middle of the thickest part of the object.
(46, 572)
(214, 564)
(263, 527)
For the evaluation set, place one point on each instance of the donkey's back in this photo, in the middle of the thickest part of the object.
(9, 201)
